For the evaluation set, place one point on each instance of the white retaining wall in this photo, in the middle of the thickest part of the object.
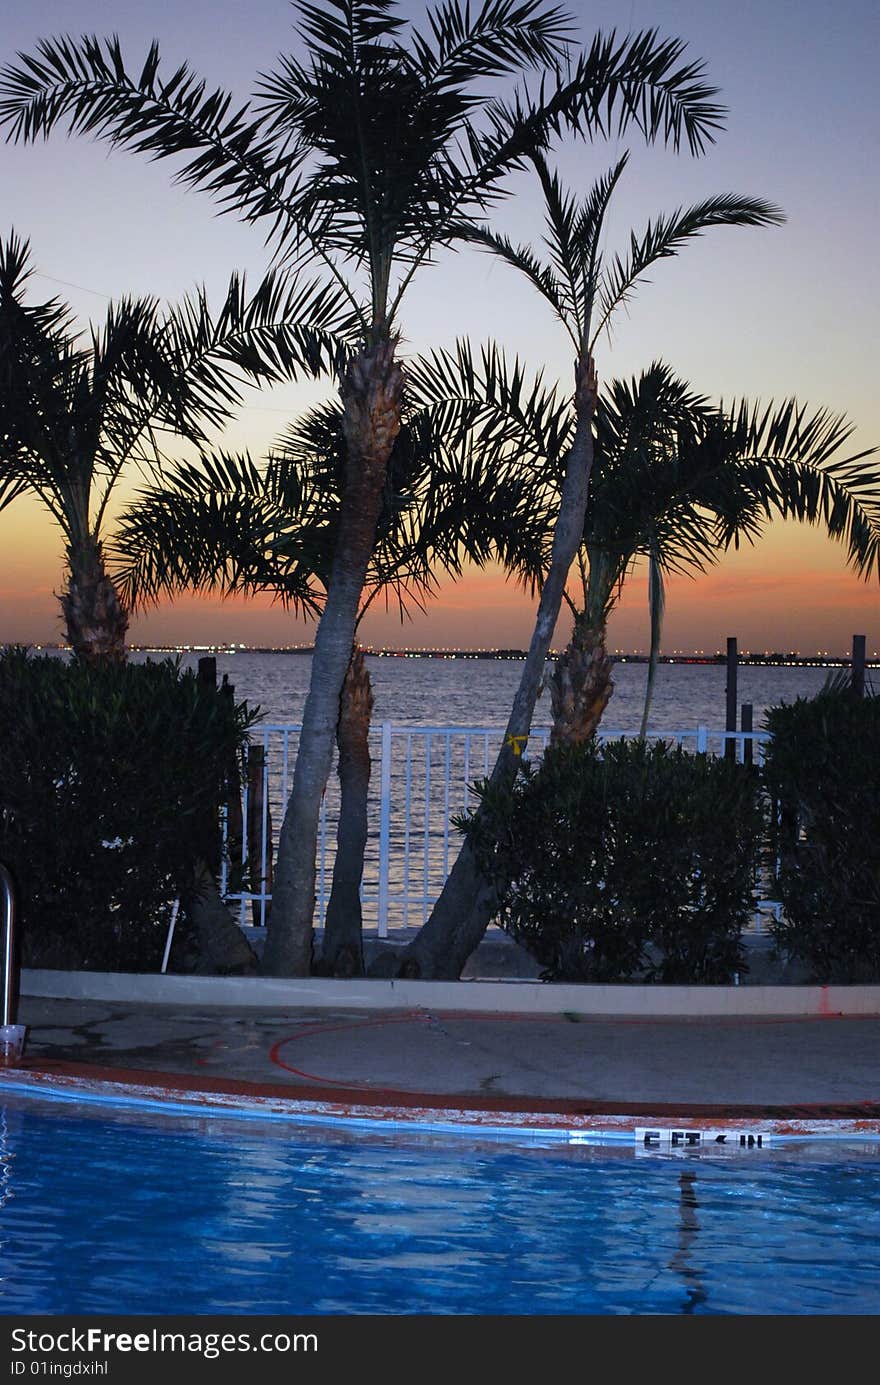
(495, 997)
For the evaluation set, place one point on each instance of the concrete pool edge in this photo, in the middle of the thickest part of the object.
(569, 1122)
(485, 996)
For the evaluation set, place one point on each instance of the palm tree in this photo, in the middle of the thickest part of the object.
(583, 293)
(678, 480)
(367, 155)
(75, 413)
(230, 525)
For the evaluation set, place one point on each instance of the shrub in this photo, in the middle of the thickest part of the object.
(110, 779)
(821, 767)
(625, 861)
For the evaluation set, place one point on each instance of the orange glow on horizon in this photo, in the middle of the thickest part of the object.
(792, 591)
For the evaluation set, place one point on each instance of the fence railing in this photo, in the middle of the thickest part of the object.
(422, 778)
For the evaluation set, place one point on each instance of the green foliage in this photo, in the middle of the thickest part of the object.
(110, 778)
(821, 768)
(625, 862)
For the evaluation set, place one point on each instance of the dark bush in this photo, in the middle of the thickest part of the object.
(822, 768)
(110, 780)
(629, 861)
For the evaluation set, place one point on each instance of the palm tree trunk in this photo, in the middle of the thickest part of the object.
(371, 397)
(223, 949)
(343, 950)
(581, 684)
(95, 620)
(468, 900)
(657, 604)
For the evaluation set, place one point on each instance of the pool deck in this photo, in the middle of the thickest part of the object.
(808, 1074)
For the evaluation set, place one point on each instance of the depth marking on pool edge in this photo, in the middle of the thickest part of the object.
(657, 1137)
(594, 1129)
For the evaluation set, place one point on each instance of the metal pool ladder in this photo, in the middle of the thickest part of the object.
(12, 1035)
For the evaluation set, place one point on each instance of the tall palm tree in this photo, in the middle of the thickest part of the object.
(77, 411)
(583, 292)
(367, 155)
(228, 524)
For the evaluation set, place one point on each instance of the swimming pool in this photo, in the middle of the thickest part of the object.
(133, 1213)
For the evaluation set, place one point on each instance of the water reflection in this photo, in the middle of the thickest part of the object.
(683, 1261)
(6, 1192)
(5, 1161)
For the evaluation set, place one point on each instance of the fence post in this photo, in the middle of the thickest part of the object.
(234, 786)
(730, 720)
(858, 665)
(229, 847)
(702, 740)
(207, 673)
(259, 834)
(384, 828)
(746, 723)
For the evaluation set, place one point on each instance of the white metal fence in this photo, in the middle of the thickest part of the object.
(422, 777)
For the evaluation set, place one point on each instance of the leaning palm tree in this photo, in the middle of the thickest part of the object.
(366, 155)
(583, 292)
(227, 524)
(78, 411)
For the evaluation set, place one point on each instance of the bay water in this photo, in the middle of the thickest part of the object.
(413, 690)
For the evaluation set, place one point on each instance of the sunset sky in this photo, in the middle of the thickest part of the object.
(758, 313)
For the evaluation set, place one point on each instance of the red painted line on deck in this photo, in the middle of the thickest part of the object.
(275, 1050)
(400, 1096)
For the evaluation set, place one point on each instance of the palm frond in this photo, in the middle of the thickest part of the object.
(206, 527)
(507, 412)
(337, 30)
(523, 259)
(226, 523)
(499, 38)
(636, 81)
(658, 483)
(44, 320)
(821, 498)
(71, 408)
(796, 464)
(287, 328)
(75, 410)
(575, 237)
(618, 83)
(84, 85)
(643, 78)
(315, 434)
(10, 489)
(665, 236)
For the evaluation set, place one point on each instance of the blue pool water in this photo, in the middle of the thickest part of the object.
(134, 1214)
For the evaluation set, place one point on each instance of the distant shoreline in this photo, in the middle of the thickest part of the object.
(774, 660)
